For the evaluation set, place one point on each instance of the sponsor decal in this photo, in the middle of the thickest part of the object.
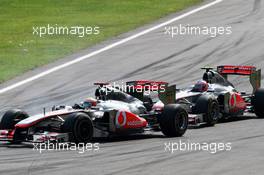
(233, 101)
(120, 119)
(134, 123)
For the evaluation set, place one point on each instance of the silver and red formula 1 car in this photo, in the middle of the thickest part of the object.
(113, 112)
(215, 98)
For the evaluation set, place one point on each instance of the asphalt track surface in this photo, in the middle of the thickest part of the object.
(152, 56)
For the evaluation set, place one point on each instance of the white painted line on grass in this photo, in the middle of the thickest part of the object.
(54, 69)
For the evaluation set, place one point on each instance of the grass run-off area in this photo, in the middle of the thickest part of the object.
(21, 51)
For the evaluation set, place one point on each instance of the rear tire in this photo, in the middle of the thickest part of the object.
(174, 121)
(258, 103)
(80, 127)
(11, 118)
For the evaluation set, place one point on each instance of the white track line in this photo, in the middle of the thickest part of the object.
(54, 69)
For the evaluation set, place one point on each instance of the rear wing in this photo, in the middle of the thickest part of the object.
(251, 71)
(166, 93)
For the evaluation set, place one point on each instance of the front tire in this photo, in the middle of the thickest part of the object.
(208, 106)
(80, 127)
(174, 121)
(11, 118)
(212, 113)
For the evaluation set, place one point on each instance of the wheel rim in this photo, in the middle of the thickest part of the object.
(182, 122)
(214, 112)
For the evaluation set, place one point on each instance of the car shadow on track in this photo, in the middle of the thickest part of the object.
(239, 118)
(129, 137)
(11, 145)
(231, 119)
(95, 140)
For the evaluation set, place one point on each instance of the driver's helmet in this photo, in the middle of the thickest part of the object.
(200, 86)
(89, 102)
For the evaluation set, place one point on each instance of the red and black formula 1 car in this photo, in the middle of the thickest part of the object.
(214, 97)
(114, 112)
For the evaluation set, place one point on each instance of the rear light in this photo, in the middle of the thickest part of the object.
(4, 132)
(6, 135)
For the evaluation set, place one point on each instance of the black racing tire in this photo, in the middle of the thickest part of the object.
(80, 127)
(212, 114)
(11, 118)
(209, 107)
(258, 103)
(174, 120)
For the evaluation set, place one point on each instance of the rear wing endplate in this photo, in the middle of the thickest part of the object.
(169, 95)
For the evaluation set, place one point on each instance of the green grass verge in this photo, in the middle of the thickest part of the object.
(21, 51)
